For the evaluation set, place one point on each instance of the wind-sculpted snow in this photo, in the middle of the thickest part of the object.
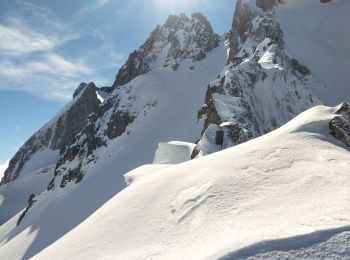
(285, 194)
(325, 244)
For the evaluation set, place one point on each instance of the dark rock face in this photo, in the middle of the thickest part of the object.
(181, 37)
(325, 1)
(79, 89)
(73, 175)
(267, 4)
(109, 122)
(59, 133)
(29, 205)
(118, 123)
(242, 27)
(75, 119)
(340, 125)
(241, 19)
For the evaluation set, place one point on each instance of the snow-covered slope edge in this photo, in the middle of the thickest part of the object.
(290, 182)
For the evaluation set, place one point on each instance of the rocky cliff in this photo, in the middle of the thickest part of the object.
(340, 125)
(59, 132)
(261, 88)
(180, 38)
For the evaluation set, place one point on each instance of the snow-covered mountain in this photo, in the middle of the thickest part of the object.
(105, 178)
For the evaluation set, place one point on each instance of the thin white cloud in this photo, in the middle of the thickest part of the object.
(53, 77)
(36, 57)
(65, 67)
(39, 13)
(17, 41)
(50, 63)
(8, 69)
(17, 38)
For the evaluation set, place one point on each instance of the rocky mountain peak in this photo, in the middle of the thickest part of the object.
(176, 22)
(262, 86)
(180, 38)
(91, 86)
(246, 16)
(59, 132)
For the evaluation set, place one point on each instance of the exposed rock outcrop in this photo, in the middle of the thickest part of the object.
(180, 38)
(111, 120)
(31, 201)
(340, 125)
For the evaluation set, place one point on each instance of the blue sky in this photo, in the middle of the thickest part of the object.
(48, 47)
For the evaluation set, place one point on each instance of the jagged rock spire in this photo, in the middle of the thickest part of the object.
(181, 37)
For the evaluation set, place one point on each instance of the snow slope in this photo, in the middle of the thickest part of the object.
(318, 36)
(290, 182)
(33, 179)
(177, 95)
(14, 195)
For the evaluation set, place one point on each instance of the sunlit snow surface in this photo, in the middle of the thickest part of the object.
(288, 183)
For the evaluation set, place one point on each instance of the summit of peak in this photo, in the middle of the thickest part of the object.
(181, 37)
